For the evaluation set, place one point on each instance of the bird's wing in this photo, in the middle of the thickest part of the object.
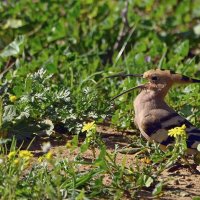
(157, 128)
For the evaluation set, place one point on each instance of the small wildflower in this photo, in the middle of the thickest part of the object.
(89, 126)
(148, 59)
(16, 161)
(49, 156)
(177, 131)
(68, 144)
(25, 154)
(11, 155)
(40, 159)
(145, 160)
(12, 98)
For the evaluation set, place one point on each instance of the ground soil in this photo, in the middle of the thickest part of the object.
(181, 183)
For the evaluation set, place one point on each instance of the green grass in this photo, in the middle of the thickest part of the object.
(54, 57)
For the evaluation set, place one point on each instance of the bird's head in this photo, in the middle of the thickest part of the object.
(159, 80)
(167, 77)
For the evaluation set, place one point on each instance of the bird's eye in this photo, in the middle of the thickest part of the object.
(154, 78)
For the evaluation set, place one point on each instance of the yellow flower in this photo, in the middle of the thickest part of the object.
(25, 154)
(11, 155)
(40, 159)
(12, 98)
(49, 156)
(177, 131)
(68, 144)
(145, 160)
(89, 126)
(16, 161)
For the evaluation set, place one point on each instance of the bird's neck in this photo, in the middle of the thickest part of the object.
(156, 91)
(150, 99)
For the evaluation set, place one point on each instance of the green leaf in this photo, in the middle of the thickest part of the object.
(85, 178)
(51, 68)
(18, 90)
(158, 189)
(84, 147)
(58, 31)
(13, 48)
(35, 45)
(75, 141)
(139, 60)
(183, 49)
(81, 195)
(149, 182)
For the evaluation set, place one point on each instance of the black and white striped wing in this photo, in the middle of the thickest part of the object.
(157, 129)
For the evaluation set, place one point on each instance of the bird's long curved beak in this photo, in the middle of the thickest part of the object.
(123, 75)
(129, 90)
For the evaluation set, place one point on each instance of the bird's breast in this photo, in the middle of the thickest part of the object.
(150, 113)
(142, 105)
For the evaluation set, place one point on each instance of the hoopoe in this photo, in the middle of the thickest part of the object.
(153, 116)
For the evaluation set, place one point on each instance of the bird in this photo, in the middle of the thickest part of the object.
(153, 116)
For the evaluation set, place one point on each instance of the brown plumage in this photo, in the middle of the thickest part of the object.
(154, 117)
